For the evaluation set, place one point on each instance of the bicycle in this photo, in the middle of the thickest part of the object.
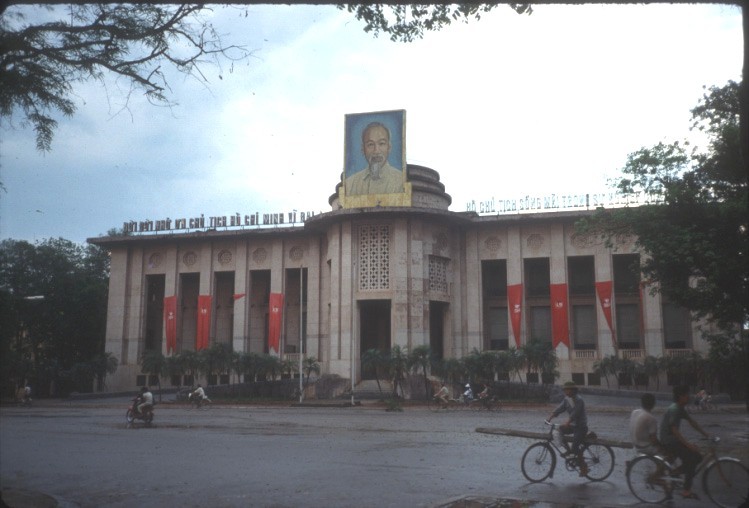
(540, 459)
(725, 480)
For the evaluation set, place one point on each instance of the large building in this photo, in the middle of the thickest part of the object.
(379, 270)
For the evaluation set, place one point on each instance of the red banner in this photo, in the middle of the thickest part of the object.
(604, 296)
(274, 323)
(204, 322)
(560, 328)
(237, 296)
(515, 306)
(170, 323)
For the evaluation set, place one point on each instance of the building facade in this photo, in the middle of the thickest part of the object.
(412, 273)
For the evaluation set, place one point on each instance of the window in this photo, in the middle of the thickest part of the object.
(581, 275)
(497, 329)
(537, 278)
(626, 274)
(628, 325)
(540, 323)
(677, 327)
(494, 287)
(584, 328)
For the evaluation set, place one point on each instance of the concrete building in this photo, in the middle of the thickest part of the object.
(376, 272)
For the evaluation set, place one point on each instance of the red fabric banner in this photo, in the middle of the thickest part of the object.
(170, 323)
(560, 327)
(204, 322)
(604, 296)
(237, 296)
(274, 323)
(515, 306)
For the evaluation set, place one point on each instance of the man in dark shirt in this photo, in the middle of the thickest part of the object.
(674, 441)
(577, 423)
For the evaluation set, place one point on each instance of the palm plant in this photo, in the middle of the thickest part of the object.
(375, 360)
(103, 364)
(398, 367)
(651, 368)
(309, 365)
(605, 367)
(153, 363)
(516, 362)
(174, 368)
(288, 367)
(420, 358)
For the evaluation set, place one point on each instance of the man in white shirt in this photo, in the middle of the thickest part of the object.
(643, 427)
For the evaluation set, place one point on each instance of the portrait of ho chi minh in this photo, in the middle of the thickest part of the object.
(378, 176)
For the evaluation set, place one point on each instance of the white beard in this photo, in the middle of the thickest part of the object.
(375, 167)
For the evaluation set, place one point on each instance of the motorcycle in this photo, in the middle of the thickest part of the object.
(133, 413)
(197, 400)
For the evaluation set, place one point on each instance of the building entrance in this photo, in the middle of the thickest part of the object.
(374, 319)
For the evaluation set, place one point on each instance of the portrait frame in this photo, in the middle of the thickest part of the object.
(354, 160)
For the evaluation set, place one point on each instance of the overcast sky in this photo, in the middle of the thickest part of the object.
(509, 106)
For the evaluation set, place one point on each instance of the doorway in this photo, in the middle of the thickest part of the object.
(374, 331)
(437, 311)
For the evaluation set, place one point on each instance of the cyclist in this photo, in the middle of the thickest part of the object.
(441, 395)
(643, 427)
(576, 424)
(676, 444)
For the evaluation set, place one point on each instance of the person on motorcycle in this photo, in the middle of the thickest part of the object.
(468, 394)
(145, 400)
(199, 395)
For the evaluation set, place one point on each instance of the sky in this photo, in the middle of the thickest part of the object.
(509, 106)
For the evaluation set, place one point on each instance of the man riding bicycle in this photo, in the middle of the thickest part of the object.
(676, 444)
(576, 424)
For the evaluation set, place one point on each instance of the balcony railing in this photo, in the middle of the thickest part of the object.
(678, 353)
(586, 354)
(632, 353)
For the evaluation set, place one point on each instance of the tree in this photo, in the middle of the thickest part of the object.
(136, 42)
(53, 297)
(153, 363)
(420, 358)
(696, 234)
(398, 367)
(310, 365)
(376, 361)
(407, 23)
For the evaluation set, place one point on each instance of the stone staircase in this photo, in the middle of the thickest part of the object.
(367, 390)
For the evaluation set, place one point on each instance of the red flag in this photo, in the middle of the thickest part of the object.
(560, 328)
(237, 296)
(274, 324)
(170, 322)
(604, 296)
(204, 322)
(515, 304)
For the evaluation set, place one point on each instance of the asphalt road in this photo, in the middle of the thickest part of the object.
(82, 454)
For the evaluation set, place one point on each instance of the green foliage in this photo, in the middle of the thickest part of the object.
(137, 42)
(53, 305)
(310, 366)
(398, 367)
(696, 235)
(407, 23)
(420, 358)
(540, 357)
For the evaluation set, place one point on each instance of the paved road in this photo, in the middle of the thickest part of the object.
(82, 454)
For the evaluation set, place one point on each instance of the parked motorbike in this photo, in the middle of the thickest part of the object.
(133, 414)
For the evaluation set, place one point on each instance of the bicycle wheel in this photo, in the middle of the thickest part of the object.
(726, 483)
(600, 461)
(644, 478)
(538, 463)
